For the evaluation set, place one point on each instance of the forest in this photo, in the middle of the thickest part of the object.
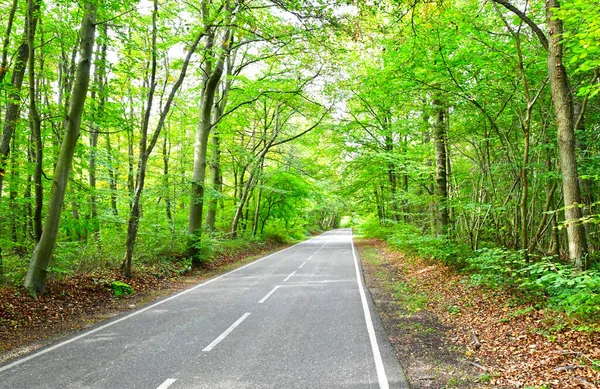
(162, 133)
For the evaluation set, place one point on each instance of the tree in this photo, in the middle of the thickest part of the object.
(36, 275)
(565, 122)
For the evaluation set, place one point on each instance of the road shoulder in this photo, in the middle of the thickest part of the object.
(417, 337)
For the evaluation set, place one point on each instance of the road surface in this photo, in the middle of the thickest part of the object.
(299, 318)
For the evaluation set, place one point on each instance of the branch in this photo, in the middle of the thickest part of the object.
(305, 131)
(536, 29)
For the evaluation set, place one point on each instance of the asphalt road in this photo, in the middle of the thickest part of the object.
(299, 318)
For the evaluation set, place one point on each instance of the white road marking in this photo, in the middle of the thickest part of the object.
(309, 283)
(303, 263)
(227, 332)
(290, 276)
(269, 294)
(316, 252)
(112, 323)
(167, 383)
(381, 376)
(305, 283)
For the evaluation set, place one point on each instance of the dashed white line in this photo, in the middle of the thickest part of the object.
(303, 263)
(112, 323)
(290, 276)
(316, 252)
(269, 294)
(227, 332)
(381, 376)
(167, 383)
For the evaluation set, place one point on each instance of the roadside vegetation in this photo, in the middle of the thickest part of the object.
(487, 317)
(143, 138)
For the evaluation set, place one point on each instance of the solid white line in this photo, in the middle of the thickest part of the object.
(269, 294)
(112, 323)
(303, 263)
(227, 332)
(290, 276)
(167, 383)
(381, 376)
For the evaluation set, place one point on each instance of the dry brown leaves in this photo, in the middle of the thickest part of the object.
(80, 300)
(23, 318)
(520, 345)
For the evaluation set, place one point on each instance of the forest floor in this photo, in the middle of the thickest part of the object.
(449, 334)
(80, 301)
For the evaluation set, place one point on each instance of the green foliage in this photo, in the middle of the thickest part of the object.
(575, 292)
(564, 288)
(496, 267)
(120, 288)
(581, 38)
(372, 228)
(204, 247)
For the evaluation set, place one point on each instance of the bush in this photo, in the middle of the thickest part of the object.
(439, 248)
(575, 292)
(560, 286)
(496, 267)
(205, 247)
(120, 288)
(372, 228)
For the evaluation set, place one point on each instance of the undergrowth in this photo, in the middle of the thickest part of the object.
(156, 254)
(551, 284)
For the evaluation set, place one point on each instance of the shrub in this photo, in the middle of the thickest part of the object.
(205, 247)
(561, 286)
(372, 228)
(575, 292)
(496, 267)
(120, 288)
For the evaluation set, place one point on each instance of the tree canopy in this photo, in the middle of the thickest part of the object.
(135, 130)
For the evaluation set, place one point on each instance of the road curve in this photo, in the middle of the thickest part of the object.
(298, 318)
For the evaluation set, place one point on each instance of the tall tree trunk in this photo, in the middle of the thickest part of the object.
(392, 176)
(563, 107)
(6, 43)
(35, 122)
(12, 193)
(14, 105)
(215, 180)
(147, 147)
(202, 134)
(99, 77)
(441, 175)
(112, 177)
(36, 275)
(257, 210)
(166, 152)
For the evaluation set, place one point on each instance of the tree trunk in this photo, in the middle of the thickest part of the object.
(166, 152)
(257, 211)
(202, 133)
(215, 180)
(441, 180)
(14, 104)
(112, 177)
(147, 147)
(99, 77)
(6, 43)
(35, 122)
(392, 177)
(36, 275)
(563, 107)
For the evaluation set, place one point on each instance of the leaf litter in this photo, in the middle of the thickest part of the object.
(506, 341)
